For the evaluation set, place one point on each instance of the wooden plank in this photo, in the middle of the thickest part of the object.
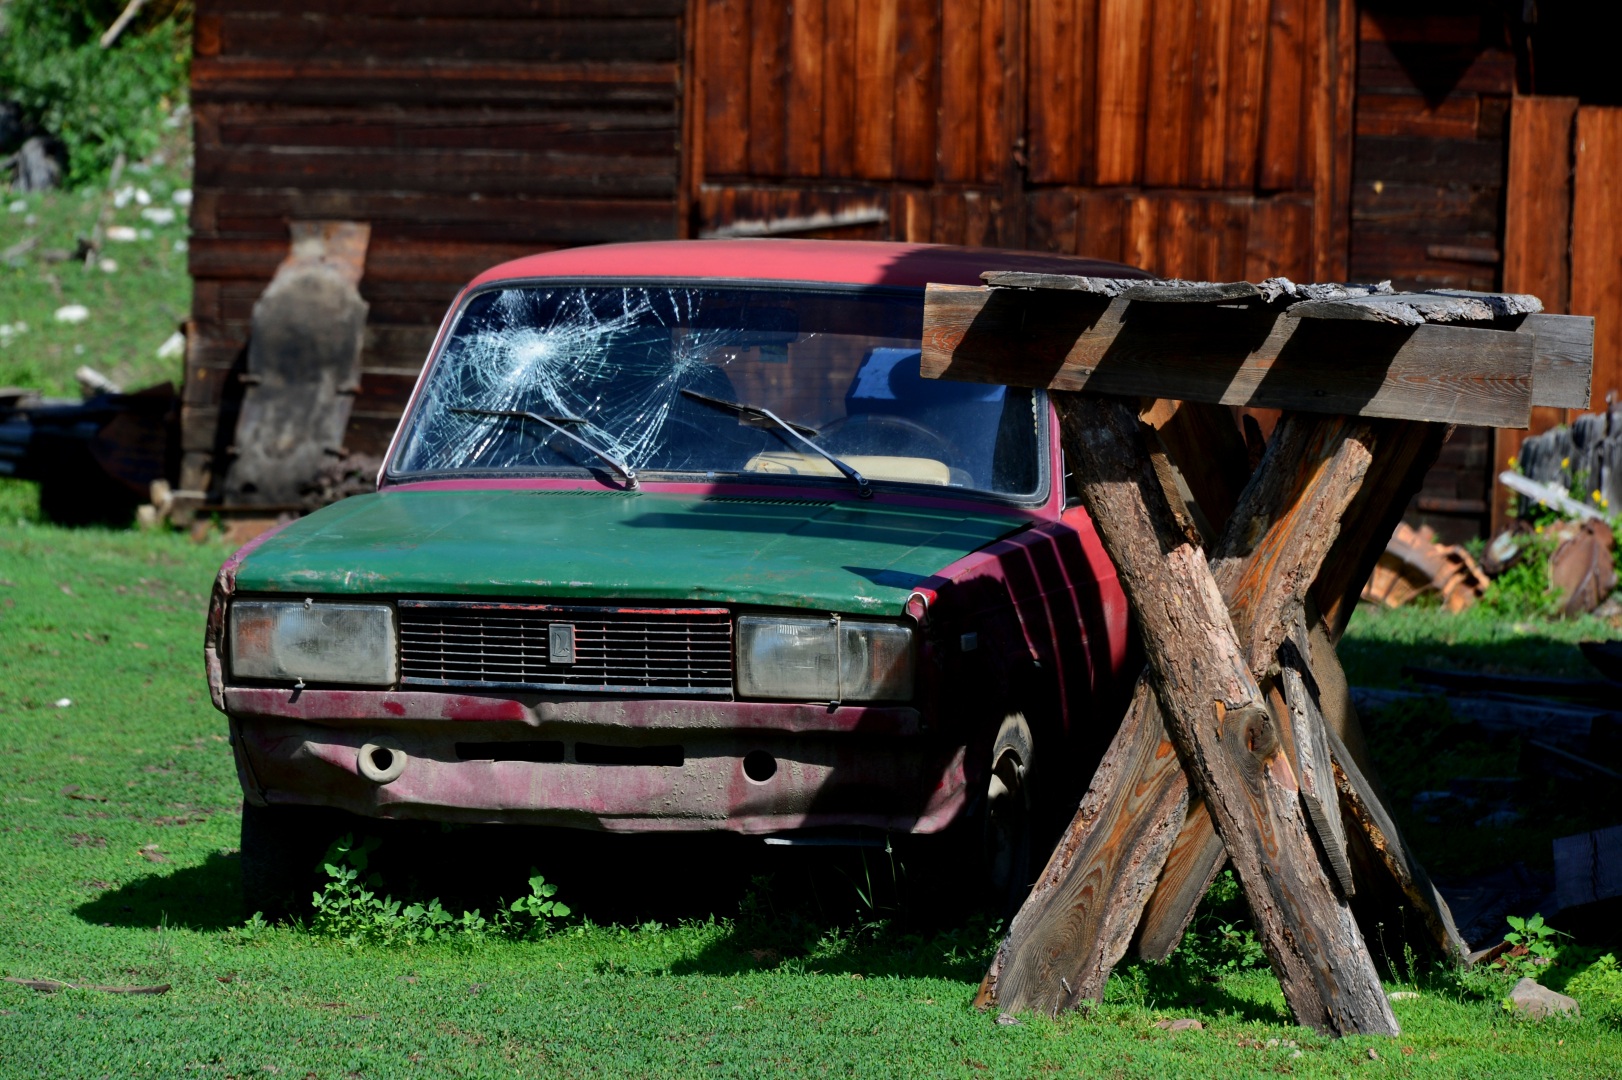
(1200, 672)
(1170, 114)
(1588, 867)
(1434, 71)
(960, 90)
(1278, 241)
(917, 72)
(349, 36)
(1405, 450)
(1283, 108)
(1210, 92)
(1054, 95)
(320, 81)
(1453, 117)
(1475, 162)
(1100, 225)
(768, 76)
(1205, 445)
(1000, 77)
(1596, 250)
(1141, 240)
(470, 9)
(1079, 918)
(875, 89)
(1333, 106)
(1246, 85)
(839, 89)
(1563, 364)
(1314, 769)
(1221, 238)
(1415, 309)
(1361, 802)
(1051, 220)
(502, 172)
(1180, 236)
(1225, 356)
(1537, 253)
(1197, 856)
(1123, 70)
(803, 138)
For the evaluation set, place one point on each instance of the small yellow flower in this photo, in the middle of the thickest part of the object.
(1540, 528)
(1565, 462)
(1514, 463)
(1596, 495)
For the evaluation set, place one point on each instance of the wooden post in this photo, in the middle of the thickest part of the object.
(1211, 703)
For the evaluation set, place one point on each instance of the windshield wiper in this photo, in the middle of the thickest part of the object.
(555, 423)
(798, 431)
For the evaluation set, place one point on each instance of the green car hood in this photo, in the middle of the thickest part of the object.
(830, 556)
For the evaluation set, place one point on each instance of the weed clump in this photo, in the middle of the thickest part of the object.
(354, 909)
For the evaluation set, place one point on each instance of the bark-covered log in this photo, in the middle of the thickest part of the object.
(1211, 702)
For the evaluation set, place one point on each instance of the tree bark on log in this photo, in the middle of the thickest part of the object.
(1210, 700)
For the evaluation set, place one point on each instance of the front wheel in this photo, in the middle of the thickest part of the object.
(1010, 817)
(281, 846)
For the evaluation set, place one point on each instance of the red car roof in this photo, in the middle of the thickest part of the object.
(850, 262)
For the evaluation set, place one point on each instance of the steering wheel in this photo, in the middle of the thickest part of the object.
(946, 452)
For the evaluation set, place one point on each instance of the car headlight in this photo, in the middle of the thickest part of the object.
(823, 659)
(329, 643)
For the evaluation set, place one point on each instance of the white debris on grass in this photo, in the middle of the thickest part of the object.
(181, 245)
(72, 313)
(11, 330)
(130, 193)
(173, 346)
(108, 266)
(122, 233)
(182, 197)
(62, 702)
(18, 206)
(159, 215)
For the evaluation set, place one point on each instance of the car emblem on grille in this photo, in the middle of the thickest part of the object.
(560, 643)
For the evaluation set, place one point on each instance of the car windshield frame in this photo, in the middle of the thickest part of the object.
(392, 475)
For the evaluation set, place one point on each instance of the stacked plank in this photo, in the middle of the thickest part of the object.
(1241, 742)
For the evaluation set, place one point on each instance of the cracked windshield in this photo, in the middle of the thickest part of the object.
(721, 383)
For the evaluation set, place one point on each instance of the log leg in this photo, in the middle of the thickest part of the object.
(1073, 927)
(1214, 709)
(1404, 452)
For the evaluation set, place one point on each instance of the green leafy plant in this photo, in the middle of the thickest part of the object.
(1539, 940)
(99, 102)
(353, 909)
(1220, 940)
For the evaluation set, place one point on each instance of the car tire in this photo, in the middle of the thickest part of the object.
(1009, 820)
(281, 847)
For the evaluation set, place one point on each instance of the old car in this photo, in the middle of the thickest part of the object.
(675, 536)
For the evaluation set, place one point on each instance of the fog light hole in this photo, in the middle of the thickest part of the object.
(759, 766)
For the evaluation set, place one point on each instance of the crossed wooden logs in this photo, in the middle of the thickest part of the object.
(1240, 742)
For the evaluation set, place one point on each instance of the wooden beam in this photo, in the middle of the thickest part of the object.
(1563, 365)
(1255, 356)
(1209, 698)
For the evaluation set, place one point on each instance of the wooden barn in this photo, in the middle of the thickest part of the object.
(1439, 144)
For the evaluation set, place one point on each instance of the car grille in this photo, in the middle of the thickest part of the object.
(616, 649)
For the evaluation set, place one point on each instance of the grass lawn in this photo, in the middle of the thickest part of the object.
(120, 825)
(135, 299)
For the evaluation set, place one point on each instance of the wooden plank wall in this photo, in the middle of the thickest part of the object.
(466, 132)
(1563, 239)
(1433, 101)
(1206, 140)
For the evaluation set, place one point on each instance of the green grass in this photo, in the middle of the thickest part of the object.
(141, 888)
(133, 309)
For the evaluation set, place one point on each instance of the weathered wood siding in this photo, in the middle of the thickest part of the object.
(465, 131)
(1208, 140)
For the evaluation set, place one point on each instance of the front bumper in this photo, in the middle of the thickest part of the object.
(878, 767)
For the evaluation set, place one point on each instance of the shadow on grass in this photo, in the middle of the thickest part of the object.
(206, 897)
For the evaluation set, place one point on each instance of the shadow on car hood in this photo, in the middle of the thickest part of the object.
(836, 556)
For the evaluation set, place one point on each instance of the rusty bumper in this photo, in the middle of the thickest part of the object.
(615, 765)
